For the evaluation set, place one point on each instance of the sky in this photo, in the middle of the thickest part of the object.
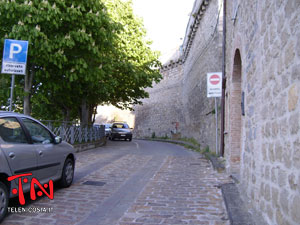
(165, 22)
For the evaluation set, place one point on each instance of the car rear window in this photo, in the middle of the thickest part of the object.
(120, 125)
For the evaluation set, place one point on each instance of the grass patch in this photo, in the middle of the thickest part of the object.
(190, 140)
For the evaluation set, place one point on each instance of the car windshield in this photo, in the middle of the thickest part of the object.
(120, 125)
(107, 125)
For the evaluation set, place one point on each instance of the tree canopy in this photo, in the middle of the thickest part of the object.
(81, 54)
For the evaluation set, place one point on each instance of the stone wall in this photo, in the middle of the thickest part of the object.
(204, 56)
(266, 35)
(163, 109)
(181, 96)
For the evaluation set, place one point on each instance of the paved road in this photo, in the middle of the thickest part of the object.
(134, 183)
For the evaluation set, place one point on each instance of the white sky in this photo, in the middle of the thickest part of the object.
(165, 21)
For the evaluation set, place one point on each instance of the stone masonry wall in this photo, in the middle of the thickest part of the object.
(181, 95)
(160, 112)
(204, 56)
(267, 35)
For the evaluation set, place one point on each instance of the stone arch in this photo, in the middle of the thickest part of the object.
(236, 113)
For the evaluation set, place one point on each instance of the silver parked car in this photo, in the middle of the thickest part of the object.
(27, 146)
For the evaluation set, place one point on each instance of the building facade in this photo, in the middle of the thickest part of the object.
(262, 145)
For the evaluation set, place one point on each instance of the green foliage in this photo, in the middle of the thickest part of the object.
(85, 51)
(5, 84)
(206, 149)
(137, 66)
(153, 135)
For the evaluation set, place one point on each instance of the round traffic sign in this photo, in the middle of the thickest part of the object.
(214, 79)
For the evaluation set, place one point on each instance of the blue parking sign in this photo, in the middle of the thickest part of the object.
(14, 56)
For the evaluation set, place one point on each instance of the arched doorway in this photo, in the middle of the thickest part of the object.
(236, 113)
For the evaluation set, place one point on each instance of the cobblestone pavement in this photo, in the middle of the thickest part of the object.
(184, 191)
(134, 183)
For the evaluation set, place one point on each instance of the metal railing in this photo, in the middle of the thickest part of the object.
(74, 133)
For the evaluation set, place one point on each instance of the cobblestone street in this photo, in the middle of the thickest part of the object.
(133, 183)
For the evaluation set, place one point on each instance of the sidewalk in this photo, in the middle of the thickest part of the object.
(237, 212)
(186, 190)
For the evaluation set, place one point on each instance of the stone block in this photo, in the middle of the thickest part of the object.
(274, 174)
(278, 151)
(294, 122)
(296, 68)
(296, 155)
(298, 44)
(295, 209)
(290, 53)
(284, 201)
(267, 193)
(292, 181)
(282, 178)
(270, 211)
(293, 97)
(275, 196)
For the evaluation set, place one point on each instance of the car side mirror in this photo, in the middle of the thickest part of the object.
(57, 140)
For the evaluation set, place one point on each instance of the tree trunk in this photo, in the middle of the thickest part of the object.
(92, 113)
(84, 117)
(27, 90)
(66, 113)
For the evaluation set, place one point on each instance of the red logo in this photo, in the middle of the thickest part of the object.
(34, 182)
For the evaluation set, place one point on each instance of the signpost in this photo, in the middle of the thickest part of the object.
(14, 61)
(214, 89)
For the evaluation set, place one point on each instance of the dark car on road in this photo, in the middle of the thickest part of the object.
(30, 149)
(120, 130)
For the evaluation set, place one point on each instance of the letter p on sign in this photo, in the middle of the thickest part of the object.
(14, 49)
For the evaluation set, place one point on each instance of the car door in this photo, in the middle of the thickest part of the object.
(49, 158)
(20, 154)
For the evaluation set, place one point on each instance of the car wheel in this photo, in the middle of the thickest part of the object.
(130, 139)
(67, 173)
(4, 198)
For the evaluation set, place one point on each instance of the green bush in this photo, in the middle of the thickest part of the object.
(153, 135)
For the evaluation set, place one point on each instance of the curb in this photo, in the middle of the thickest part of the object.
(236, 209)
(217, 164)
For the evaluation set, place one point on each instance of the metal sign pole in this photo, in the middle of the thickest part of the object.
(11, 92)
(216, 111)
(214, 89)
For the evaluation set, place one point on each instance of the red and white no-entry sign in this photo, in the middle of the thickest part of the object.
(214, 79)
(214, 84)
